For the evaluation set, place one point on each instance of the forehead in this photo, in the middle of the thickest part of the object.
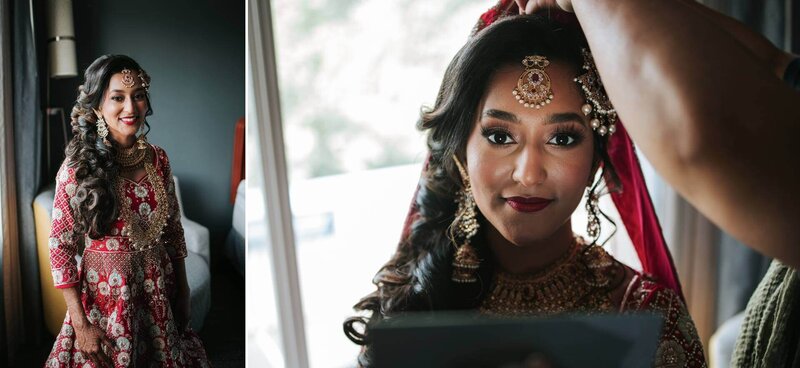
(566, 93)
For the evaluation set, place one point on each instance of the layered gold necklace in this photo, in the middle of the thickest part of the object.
(132, 158)
(580, 281)
(143, 231)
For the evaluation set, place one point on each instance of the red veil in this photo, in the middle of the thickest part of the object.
(633, 202)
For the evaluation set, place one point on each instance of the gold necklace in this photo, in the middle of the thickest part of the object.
(579, 281)
(144, 232)
(132, 158)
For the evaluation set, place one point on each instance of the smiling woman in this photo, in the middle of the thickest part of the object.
(520, 127)
(116, 204)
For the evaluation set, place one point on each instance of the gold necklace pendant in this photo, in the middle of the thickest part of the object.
(144, 232)
(575, 283)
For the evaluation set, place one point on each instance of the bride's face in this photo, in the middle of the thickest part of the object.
(529, 167)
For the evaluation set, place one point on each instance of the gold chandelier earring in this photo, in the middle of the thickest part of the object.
(141, 140)
(102, 127)
(464, 227)
(593, 211)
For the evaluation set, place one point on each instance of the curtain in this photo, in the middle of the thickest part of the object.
(6, 221)
(27, 150)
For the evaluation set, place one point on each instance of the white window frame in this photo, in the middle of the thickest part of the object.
(267, 115)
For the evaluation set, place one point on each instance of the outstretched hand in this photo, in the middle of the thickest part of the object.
(531, 6)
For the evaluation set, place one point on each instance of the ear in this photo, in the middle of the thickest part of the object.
(98, 113)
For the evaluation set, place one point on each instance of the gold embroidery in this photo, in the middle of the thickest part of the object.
(144, 232)
(670, 354)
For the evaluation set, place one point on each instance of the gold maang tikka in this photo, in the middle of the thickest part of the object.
(127, 78)
(533, 86)
(464, 227)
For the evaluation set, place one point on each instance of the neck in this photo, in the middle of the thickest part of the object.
(531, 257)
(124, 142)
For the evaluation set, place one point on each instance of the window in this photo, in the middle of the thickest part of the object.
(353, 76)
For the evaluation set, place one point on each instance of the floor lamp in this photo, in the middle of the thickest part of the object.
(62, 58)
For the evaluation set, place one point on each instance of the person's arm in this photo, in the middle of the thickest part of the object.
(183, 299)
(713, 121)
(63, 246)
(175, 243)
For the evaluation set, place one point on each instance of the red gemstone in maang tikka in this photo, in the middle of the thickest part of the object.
(533, 86)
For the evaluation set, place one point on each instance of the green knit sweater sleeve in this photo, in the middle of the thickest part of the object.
(770, 336)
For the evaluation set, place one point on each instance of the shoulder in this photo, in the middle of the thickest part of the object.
(66, 173)
(161, 159)
(159, 152)
(646, 293)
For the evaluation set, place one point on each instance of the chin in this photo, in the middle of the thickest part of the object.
(520, 235)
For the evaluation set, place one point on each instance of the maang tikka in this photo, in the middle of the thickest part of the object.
(127, 78)
(533, 86)
(464, 227)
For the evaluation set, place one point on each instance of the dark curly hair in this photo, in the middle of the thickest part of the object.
(417, 277)
(94, 204)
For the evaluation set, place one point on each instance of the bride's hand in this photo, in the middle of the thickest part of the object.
(93, 343)
(530, 6)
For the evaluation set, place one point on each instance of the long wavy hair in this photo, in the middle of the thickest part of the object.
(94, 204)
(417, 277)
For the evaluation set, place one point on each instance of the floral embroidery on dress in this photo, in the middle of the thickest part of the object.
(140, 191)
(70, 189)
(125, 291)
(112, 244)
(680, 345)
(144, 210)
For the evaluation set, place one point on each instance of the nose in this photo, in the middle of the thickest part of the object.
(529, 169)
(130, 106)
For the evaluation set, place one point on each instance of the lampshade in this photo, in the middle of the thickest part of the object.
(61, 39)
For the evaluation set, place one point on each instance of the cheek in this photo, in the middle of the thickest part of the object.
(574, 170)
(487, 171)
(109, 107)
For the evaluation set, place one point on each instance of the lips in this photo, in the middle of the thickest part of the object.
(528, 204)
(130, 120)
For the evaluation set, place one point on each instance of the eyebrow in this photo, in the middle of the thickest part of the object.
(557, 118)
(565, 117)
(500, 114)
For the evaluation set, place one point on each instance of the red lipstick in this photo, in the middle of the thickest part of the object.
(129, 120)
(528, 204)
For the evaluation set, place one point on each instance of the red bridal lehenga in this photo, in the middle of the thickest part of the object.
(126, 285)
